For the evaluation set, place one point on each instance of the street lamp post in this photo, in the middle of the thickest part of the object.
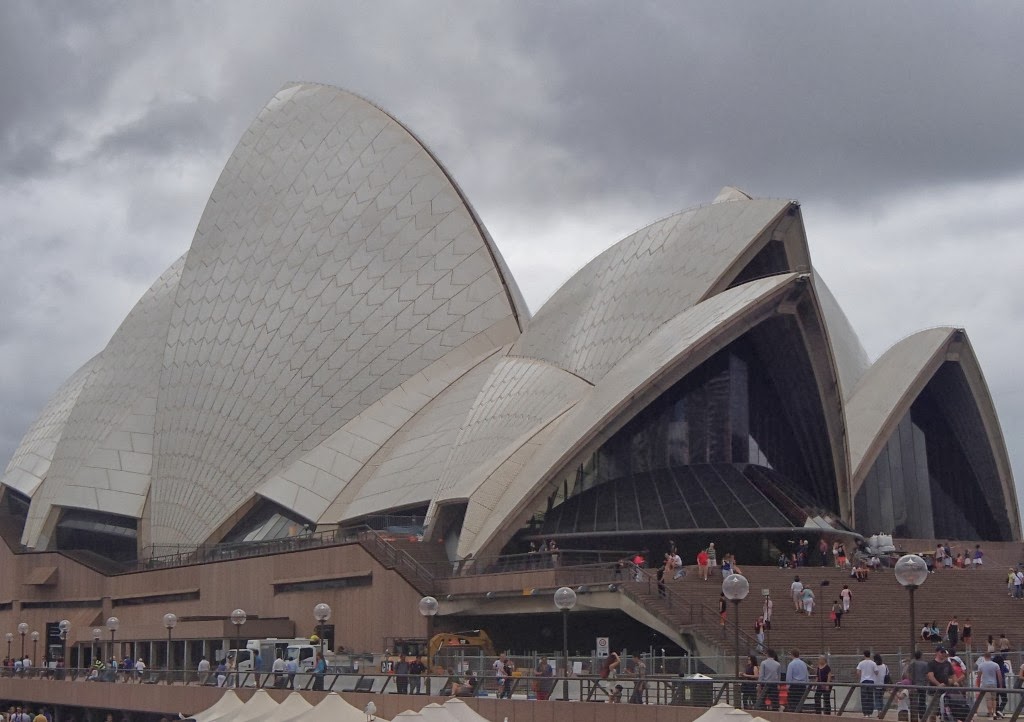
(565, 599)
(322, 612)
(735, 587)
(23, 630)
(65, 630)
(96, 634)
(238, 619)
(428, 608)
(35, 647)
(911, 571)
(112, 624)
(821, 617)
(170, 622)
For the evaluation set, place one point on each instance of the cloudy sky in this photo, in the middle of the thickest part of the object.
(568, 125)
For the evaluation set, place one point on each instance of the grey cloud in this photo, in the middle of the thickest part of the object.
(191, 126)
(541, 111)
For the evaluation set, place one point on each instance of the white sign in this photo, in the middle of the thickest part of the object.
(602, 647)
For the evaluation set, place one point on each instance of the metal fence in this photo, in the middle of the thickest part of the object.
(949, 704)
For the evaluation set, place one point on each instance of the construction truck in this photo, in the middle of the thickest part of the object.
(445, 650)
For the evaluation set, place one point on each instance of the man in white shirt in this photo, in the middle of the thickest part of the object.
(278, 669)
(140, 669)
(204, 670)
(677, 564)
(866, 671)
(501, 673)
(796, 589)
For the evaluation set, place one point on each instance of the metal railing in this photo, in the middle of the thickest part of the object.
(558, 559)
(948, 703)
(171, 555)
(686, 612)
(388, 555)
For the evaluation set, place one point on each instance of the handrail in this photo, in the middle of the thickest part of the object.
(371, 540)
(694, 611)
(655, 689)
(558, 559)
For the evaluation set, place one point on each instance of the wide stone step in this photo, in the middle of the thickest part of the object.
(880, 616)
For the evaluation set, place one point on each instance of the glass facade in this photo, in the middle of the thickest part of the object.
(109, 535)
(265, 521)
(936, 476)
(690, 459)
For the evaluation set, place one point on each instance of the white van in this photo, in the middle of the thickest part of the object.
(269, 647)
(305, 654)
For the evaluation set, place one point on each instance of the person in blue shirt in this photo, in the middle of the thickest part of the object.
(318, 672)
(768, 680)
(797, 678)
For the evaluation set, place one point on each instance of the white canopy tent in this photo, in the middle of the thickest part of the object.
(736, 715)
(723, 712)
(409, 716)
(463, 712)
(294, 706)
(434, 712)
(228, 704)
(260, 704)
(334, 708)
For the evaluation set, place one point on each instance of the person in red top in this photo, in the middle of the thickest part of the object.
(702, 564)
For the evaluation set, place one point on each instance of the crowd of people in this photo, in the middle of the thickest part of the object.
(762, 686)
(26, 713)
(797, 686)
(20, 666)
(127, 670)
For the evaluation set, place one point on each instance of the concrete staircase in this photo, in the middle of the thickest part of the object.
(879, 618)
(431, 555)
(696, 622)
(391, 556)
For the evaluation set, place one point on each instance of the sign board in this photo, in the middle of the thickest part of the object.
(602, 647)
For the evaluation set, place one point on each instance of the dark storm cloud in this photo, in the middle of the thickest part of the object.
(854, 99)
(568, 125)
(180, 126)
(52, 65)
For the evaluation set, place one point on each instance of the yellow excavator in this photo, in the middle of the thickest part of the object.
(442, 650)
(469, 641)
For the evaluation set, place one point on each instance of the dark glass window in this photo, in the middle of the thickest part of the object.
(769, 261)
(155, 599)
(108, 535)
(265, 521)
(688, 459)
(936, 476)
(363, 580)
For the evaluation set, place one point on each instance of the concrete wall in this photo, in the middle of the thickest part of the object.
(249, 584)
